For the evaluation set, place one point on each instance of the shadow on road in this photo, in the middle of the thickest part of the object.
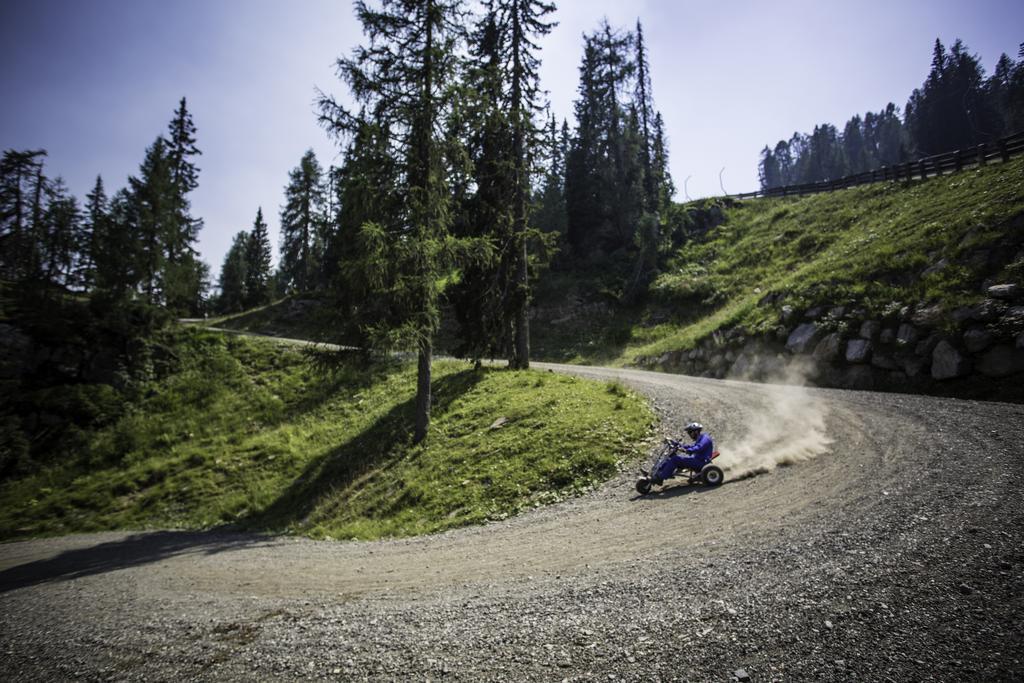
(133, 551)
(676, 490)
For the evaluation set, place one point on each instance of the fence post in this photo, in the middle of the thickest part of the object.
(1003, 151)
(981, 154)
(958, 160)
(922, 169)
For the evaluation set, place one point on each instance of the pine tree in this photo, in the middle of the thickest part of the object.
(525, 23)
(257, 263)
(234, 275)
(118, 252)
(59, 234)
(483, 295)
(404, 75)
(155, 206)
(22, 188)
(550, 213)
(96, 222)
(300, 224)
(182, 269)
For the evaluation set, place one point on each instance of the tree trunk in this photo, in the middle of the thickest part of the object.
(423, 392)
(522, 283)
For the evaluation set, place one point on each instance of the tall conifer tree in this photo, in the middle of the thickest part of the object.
(257, 263)
(404, 76)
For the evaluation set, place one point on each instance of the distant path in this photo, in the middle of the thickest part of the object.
(890, 555)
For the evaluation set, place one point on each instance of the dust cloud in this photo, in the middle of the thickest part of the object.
(790, 428)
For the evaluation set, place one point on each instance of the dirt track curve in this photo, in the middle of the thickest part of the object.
(895, 554)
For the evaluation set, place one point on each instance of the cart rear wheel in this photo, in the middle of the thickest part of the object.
(712, 475)
(643, 486)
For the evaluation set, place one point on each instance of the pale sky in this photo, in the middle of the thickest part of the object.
(94, 82)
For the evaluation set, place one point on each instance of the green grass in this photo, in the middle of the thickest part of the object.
(250, 433)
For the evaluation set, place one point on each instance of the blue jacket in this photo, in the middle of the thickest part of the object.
(703, 447)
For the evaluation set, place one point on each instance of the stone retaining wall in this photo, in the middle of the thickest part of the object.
(912, 349)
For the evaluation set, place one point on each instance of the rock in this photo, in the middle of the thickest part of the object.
(913, 366)
(927, 345)
(1000, 361)
(1007, 291)
(947, 362)
(977, 339)
(837, 312)
(869, 329)
(664, 359)
(859, 377)
(962, 314)
(858, 351)
(927, 316)
(965, 589)
(814, 313)
(743, 367)
(988, 311)
(1020, 340)
(802, 337)
(883, 361)
(828, 348)
(941, 264)
(906, 335)
(787, 313)
(741, 675)
(887, 336)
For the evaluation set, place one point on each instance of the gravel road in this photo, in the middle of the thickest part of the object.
(889, 550)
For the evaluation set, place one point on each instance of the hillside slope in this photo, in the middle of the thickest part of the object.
(888, 285)
(250, 433)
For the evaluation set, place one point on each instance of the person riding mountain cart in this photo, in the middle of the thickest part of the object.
(694, 458)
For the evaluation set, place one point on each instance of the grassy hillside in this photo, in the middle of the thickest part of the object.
(875, 248)
(250, 433)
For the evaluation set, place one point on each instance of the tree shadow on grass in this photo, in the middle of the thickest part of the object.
(133, 551)
(379, 447)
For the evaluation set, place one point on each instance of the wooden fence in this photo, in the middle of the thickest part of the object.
(939, 164)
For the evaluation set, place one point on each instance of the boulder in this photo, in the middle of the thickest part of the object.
(977, 339)
(1000, 361)
(887, 336)
(883, 361)
(941, 264)
(802, 338)
(743, 368)
(962, 314)
(814, 313)
(837, 312)
(828, 349)
(1007, 291)
(913, 366)
(858, 351)
(927, 345)
(947, 362)
(906, 335)
(869, 329)
(859, 377)
(988, 311)
(927, 316)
